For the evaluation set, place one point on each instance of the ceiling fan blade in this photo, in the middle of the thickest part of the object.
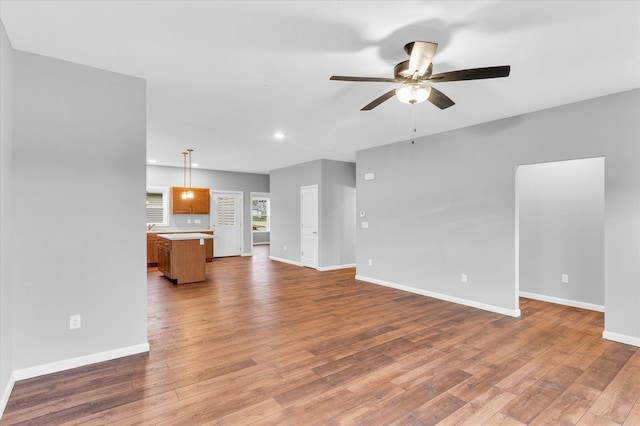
(472, 74)
(379, 100)
(422, 53)
(372, 79)
(439, 99)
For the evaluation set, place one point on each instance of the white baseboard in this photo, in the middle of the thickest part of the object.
(560, 301)
(471, 303)
(621, 338)
(319, 268)
(7, 393)
(246, 254)
(290, 262)
(335, 267)
(67, 364)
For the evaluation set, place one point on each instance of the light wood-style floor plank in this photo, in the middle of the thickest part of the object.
(267, 343)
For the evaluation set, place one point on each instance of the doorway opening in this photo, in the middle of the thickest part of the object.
(260, 219)
(560, 232)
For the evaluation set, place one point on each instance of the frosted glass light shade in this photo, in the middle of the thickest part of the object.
(413, 93)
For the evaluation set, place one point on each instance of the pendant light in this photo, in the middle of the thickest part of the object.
(187, 194)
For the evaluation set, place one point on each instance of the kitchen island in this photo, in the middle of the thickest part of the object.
(152, 241)
(182, 257)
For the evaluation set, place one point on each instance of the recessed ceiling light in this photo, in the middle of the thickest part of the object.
(194, 164)
(152, 161)
(278, 135)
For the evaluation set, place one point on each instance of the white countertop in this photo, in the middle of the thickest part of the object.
(175, 230)
(186, 236)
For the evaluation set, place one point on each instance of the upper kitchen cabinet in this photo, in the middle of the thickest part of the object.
(199, 204)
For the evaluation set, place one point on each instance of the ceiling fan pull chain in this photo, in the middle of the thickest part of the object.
(414, 118)
(413, 113)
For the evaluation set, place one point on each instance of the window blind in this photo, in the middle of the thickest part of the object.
(154, 208)
(226, 210)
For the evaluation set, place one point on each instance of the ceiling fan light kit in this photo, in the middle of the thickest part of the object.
(415, 74)
(413, 93)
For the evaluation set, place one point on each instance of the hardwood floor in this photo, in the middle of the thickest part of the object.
(266, 343)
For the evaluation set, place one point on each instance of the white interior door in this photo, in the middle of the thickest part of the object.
(226, 208)
(309, 221)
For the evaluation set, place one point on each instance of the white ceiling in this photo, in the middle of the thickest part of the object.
(223, 76)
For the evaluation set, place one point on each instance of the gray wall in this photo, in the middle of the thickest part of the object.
(285, 208)
(561, 224)
(163, 176)
(78, 142)
(336, 204)
(261, 237)
(446, 204)
(338, 213)
(6, 101)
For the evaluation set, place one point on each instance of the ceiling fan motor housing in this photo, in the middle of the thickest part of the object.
(401, 71)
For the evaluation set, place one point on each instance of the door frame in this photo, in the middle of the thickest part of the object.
(257, 195)
(241, 214)
(317, 188)
(544, 297)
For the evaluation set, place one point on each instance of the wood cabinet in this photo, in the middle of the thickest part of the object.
(182, 260)
(164, 257)
(199, 204)
(152, 249)
(153, 252)
(179, 205)
(201, 201)
(208, 246)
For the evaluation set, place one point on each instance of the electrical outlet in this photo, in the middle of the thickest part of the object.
(565, 279)
(463, 278)
(74, 322)
(370, 262)
(365, 224)
(197, 221)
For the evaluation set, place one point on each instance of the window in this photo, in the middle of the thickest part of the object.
(260, 214)
(157, 204)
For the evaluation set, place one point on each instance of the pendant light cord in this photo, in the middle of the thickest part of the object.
(184, 168)
(189, 151)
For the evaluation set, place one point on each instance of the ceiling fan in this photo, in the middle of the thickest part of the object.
(415, 76)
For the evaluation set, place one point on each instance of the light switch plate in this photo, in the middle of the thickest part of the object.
(365, 224)
(369, 176)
